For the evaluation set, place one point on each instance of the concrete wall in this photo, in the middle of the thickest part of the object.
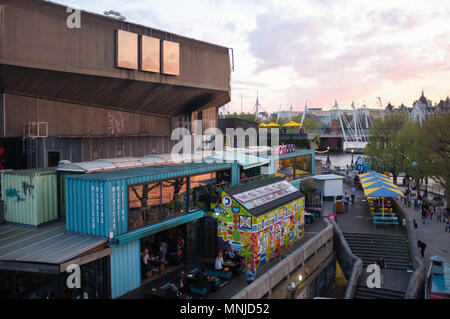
(307, 259)
(351, 265)
(416, 284)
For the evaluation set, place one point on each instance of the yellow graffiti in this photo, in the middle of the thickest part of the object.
(223, 233)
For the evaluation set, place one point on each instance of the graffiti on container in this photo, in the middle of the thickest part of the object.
(115, 123)
(14, 193)
(27, 188)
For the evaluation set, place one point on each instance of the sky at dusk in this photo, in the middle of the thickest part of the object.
(293, 51)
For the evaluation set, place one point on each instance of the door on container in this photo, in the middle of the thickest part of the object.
(192, 241)
(208, 237)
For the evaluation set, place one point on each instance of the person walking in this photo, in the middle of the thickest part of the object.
(447, 225)
(346, 201)
(251, 274)
(424, 215)
(415, 224)
(438, 215)
(382, 264)
(422, 247)
(353, 193)
(429, 215)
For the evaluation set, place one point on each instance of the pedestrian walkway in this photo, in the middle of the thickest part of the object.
(433, 234)
(357, 222)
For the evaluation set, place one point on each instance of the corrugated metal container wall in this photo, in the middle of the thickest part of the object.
(96, 207)
(119, 206)
(30, 196)
(87, 207)
(125, 268)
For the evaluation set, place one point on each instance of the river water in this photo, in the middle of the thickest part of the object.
(340, 160)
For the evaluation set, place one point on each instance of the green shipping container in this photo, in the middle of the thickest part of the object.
(30, 196)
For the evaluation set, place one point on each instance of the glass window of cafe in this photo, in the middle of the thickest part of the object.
(157, 201)
(294, 167)
(93, 281)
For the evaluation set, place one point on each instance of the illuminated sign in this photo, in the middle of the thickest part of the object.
(127, 50)
(171, 58)
(155, 55)
(285, 149)
(150, 54)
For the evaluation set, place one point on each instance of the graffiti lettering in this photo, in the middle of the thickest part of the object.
(14, 193)
(27, 188)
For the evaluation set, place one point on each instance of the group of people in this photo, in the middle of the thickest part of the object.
(428, 210)
(154, 257)
(237, 259)
(226, 257)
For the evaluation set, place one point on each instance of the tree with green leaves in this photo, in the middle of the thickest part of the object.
(385, 151)
(436, 148)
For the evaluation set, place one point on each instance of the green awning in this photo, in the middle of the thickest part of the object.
(159, 227)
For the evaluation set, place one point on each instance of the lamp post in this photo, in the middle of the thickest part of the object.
(352, 155)
(328, 154)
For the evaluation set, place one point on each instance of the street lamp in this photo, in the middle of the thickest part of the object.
(328, 154)
(352, 155)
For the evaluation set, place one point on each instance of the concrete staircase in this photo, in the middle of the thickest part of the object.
(362, 292)
(369, 247)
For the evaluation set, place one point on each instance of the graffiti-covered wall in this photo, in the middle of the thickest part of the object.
(30, 196)
(259, 238)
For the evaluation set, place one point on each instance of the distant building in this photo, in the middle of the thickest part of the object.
(443, 105)
(422, 108)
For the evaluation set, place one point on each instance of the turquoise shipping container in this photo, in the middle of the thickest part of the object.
(30, 196)
(125, 268)
(97, 204)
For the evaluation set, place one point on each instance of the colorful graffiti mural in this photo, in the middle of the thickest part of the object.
(259, 239)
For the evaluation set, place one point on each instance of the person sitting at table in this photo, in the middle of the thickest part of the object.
(146, 260)
(183, 287)
(218, 264)
(201, 278)
(237, 258)
(171, 292)
(227, 256)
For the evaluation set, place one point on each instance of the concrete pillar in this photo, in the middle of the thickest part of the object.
(235, 175)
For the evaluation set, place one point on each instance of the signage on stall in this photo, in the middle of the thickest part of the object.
(285, 149)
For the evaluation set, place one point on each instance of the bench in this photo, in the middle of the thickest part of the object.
(385, 221)
(220, 274)
(378, 214)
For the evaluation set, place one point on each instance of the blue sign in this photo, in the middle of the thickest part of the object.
(235, 209)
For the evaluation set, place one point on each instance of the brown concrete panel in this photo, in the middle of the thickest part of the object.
(71, 120)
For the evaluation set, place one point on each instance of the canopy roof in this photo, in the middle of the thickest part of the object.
(245, 160)
(372, 174)
(292, 124)
(272, 124)
(44, 248)
(383, 192)
(379, 183)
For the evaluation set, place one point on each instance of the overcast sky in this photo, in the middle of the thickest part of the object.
(316, 50)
